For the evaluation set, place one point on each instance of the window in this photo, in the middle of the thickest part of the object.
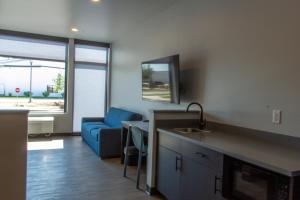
(90, 54)
(90, 82)
(33, 73)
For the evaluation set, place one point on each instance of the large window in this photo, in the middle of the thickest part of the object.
(33, 73)
(91, 63)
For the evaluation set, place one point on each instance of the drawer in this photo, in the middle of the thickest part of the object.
(192, 151)
(202, 155)
(169, 141)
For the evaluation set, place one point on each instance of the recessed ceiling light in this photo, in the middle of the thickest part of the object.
(95, 1)
(74, 29)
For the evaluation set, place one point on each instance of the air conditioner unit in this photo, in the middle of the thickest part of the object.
(40, 125)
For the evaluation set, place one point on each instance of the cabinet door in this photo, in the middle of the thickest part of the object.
(198, 181)
(168, 173)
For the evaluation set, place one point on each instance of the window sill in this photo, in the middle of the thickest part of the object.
(45, 113)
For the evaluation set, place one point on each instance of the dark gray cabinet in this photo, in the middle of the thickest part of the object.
(186, 171)
(169, 173)
(198, 181)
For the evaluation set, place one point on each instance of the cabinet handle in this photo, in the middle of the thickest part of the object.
(178, 163)
(201, 154)
(216, 183)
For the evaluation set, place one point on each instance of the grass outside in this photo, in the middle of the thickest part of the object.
(160, 94)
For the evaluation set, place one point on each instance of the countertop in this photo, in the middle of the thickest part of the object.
(269, 155)
(8, 110)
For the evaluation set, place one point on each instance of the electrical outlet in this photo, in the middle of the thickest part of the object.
(276, 119)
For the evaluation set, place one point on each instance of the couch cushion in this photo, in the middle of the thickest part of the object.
(116, 115)
(87, 125)
(95, 133)
(93, 128)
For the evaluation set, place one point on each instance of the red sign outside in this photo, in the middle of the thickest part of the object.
(18, 90)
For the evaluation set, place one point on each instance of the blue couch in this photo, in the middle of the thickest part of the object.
(103, 135)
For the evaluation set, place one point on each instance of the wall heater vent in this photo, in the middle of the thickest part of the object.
(40, 125)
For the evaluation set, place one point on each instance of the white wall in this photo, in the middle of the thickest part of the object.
(240, 60)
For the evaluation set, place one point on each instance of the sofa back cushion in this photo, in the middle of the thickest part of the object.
(116, 115)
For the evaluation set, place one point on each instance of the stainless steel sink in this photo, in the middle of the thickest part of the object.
(191, 130)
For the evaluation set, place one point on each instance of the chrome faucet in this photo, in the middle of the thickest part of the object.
(202, 123)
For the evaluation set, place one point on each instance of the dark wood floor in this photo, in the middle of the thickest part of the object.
(76, 173)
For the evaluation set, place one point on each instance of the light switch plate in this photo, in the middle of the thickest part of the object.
(276, 119)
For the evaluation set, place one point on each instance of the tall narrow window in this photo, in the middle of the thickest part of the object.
(90, 82)
(32, 73)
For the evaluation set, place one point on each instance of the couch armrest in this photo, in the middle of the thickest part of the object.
(92, 119)
(110, 142)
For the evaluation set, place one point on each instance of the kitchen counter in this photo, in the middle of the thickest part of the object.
(276, 157)
(13, 153)
(7, 110)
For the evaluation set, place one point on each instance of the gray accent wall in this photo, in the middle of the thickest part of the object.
(239, 58)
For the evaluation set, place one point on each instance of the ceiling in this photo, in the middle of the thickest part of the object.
(105, 21)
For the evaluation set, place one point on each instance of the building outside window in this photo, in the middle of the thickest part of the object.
(33, 74)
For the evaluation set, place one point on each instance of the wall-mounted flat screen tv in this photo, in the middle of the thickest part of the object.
(160, 79)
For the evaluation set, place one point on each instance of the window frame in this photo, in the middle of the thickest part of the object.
(70, 64)
(106, 46)
(32, 36)
(106, 65)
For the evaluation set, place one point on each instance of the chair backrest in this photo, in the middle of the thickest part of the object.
(138, 138)
(115, 115)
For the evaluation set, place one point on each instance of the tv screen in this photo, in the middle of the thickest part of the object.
(160, 79)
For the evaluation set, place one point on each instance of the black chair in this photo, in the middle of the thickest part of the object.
(139, 144)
